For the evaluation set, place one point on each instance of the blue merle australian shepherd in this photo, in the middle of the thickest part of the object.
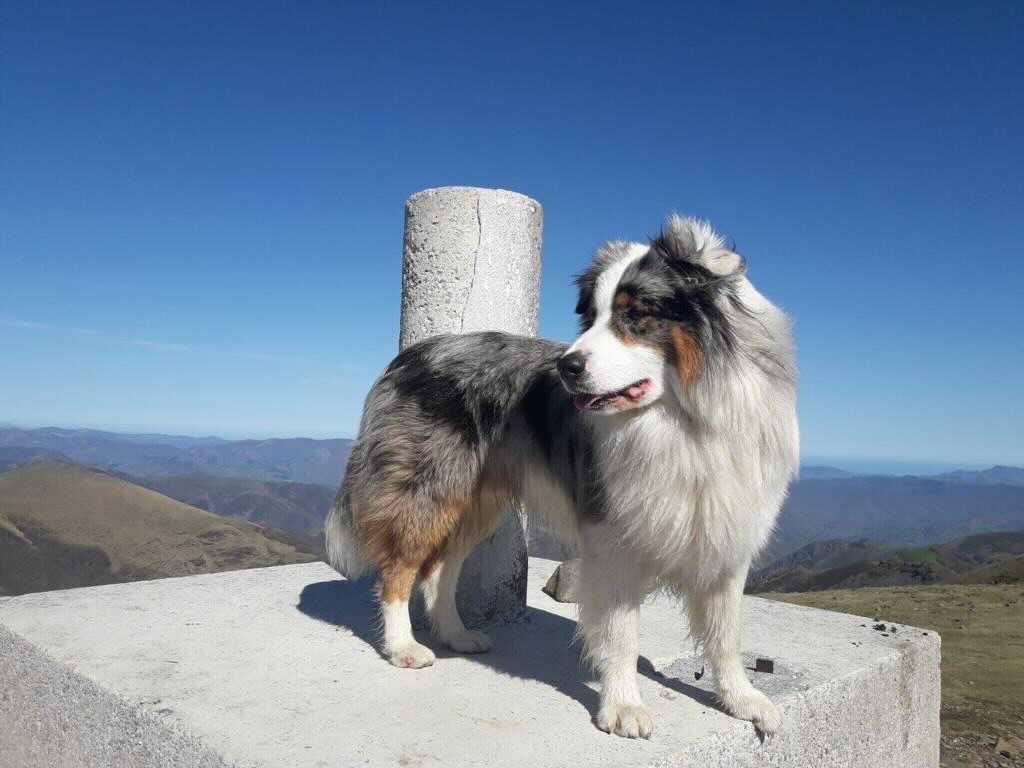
(662, 440)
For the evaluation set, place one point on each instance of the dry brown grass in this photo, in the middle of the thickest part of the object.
(63, 526)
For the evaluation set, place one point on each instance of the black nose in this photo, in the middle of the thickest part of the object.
(571, 366)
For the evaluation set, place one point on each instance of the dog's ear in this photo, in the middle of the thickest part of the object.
(691, 240)
(585, 290)
(583, 302)
(722, 262)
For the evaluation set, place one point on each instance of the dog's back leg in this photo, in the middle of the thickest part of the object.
(439, 585)
(441, 576)
(404, 538)
(400, 647)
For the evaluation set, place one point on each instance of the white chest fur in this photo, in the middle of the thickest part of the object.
(696, 501)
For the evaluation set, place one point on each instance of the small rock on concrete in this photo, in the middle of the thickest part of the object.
(562, 586)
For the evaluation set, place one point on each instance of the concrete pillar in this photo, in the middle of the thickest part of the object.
(471, 262)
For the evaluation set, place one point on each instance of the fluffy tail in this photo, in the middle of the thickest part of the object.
(344, 549)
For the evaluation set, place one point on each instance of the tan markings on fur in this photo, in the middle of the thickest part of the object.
(479, 522)
(490, 501)
(408, 536)
(433, 561)
(688, 358)
(396, 582)
(398, 529)
(622, 301)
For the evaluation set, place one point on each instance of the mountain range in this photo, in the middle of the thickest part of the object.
(301, 460)
(997, 475)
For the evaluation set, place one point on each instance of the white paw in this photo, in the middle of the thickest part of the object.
(755, 706)
(469, 641)
(411, 656)
(631, 721)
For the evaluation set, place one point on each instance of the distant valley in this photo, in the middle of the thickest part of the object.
(297, 507)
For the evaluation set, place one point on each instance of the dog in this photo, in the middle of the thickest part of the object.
(662, 442)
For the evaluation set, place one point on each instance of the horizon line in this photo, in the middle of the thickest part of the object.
(808, 460)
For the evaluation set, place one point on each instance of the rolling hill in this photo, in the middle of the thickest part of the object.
(1009, 571)
(821, 556)
(66, 526)
(300, 460)
(297, 507)
(835, 564)
(12, 456)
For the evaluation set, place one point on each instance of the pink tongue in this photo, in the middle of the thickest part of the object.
(635, 391)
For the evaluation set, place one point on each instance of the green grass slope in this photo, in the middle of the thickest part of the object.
(837, 564)
(64, 526)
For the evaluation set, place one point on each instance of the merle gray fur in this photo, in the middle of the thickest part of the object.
(454, 408)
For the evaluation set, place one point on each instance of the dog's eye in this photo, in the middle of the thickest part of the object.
(639, 320)
(638, 311)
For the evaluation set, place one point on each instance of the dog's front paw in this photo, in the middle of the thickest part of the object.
(410, 656)
(631, 721)
(755, 706)
(469, 642)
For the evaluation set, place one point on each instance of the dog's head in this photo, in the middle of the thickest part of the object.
(653, 318)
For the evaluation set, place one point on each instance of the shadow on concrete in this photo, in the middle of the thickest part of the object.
(700, 695)
(538, 646)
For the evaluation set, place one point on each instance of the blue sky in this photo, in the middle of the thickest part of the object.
(201, 204)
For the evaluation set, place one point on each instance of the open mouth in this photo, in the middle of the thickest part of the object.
(619, 399)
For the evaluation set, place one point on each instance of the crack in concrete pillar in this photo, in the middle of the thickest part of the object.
(471, 262)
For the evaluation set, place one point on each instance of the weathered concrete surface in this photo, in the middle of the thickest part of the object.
(52, 716)
(274, 667)
(471, 262)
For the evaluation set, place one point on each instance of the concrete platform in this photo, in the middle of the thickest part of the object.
(275, 667)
